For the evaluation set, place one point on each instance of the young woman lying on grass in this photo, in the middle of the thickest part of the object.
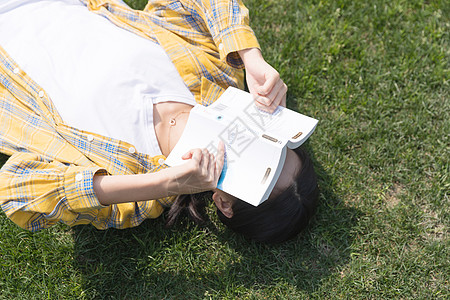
(95, 95)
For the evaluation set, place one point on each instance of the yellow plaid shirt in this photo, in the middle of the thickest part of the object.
(48, 177)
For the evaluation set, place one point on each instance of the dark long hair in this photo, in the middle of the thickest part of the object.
(275, 220)
(191, 206)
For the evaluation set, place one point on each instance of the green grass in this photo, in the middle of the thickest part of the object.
(376, 75)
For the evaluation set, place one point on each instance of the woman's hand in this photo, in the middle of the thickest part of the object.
(200, 173)
(263, 81)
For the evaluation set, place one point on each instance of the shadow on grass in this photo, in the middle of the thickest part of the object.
(195, 262)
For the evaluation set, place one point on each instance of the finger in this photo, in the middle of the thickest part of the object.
(220, 154)
(280, 97)
(270, 109)
(220, 160)
(262, 107)
(197, 156)
(221, 148)
(190, 153)
(264, 101)
(284, 93)
(283, 101)
(276, 93)
(187, 155)
(205, 161)
(268, 85)
(211, 168)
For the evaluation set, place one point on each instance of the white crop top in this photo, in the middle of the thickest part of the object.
(101, 78)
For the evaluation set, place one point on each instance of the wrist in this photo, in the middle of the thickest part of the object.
(168, 182)
(250, 56)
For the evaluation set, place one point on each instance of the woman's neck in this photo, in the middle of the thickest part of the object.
(169, 120)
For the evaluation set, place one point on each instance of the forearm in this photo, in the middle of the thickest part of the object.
(132, 188)
(199, 173)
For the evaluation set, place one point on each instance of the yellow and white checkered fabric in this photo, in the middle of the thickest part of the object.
(48, 177)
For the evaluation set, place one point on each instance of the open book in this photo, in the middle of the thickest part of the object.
(255, 142)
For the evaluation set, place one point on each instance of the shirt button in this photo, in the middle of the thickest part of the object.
(131, 150)
(16, 71)
(161, 161)
(41, 94)
(79, 177)
(90, 137)
(220, 46)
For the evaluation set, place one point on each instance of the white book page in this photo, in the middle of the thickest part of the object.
(200, 132)
(283, 125)
(291, 126)
(248, 158)
(250, 183)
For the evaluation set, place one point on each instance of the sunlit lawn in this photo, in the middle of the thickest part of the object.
(376, 75)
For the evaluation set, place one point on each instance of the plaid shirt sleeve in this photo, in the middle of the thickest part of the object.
(36, 193)
(226, 20)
